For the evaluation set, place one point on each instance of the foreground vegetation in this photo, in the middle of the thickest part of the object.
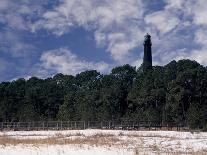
(98, 141)
(172, 94)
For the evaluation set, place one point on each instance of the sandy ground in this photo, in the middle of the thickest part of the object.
(101, 142)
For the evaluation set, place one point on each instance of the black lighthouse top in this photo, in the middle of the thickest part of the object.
(147, 40)
(147, 61)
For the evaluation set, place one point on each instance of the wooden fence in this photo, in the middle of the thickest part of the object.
(81, 125)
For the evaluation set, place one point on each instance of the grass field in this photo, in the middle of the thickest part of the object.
(101, 142)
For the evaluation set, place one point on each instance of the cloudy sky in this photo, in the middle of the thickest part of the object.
(45, 37)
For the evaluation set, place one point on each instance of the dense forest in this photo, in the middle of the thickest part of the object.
(172, 94)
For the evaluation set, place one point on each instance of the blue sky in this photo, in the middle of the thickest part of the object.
(44, 37)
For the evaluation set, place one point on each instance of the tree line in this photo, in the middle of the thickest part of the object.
(172, 94)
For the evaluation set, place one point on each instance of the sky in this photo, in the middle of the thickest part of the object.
(44, 37)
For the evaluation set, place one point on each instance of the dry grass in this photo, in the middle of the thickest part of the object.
(155, 149)
(59, 139)
(150, 136)
(157, 152)
(101, 139)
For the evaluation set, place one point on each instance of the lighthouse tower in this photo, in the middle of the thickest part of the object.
(147, 61)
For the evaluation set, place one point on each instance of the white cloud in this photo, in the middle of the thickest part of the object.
(121, 43)
(201, 37)
(15, 21)
(199, 11)
(17, 15)
(174, 4)
(3, 65)
(163, 21)
(121, 30)
(195, 9)
(4, 4)
(54, 22)
(198, 55)
(100, 38)
(64, 61)
(106, 18)
(178, 30)
(102, 15)
(13, 45)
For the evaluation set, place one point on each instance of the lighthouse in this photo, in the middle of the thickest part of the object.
(147, 60)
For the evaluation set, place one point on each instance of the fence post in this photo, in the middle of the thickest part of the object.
(101, 125)
(61, 125)
(57, 126)
(43, 125)
(2, 125)
(88, 124)
(28, 127)
(33, 125)
(68, 125)
(18, 126)
(47, 125)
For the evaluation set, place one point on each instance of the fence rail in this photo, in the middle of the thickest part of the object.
(81, 125)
